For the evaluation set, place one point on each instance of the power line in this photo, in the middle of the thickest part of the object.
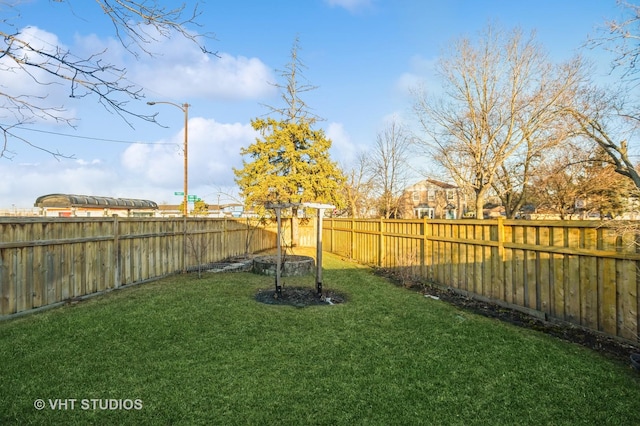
(94, 138)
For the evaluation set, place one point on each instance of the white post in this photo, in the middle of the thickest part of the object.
(279, 253)
(319, 252)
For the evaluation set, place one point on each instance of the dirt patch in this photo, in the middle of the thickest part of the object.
(299, 297)
(609, 346)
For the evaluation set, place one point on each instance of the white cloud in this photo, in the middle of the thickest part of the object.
(421, 74)
(184, 71)
(177, 68)
(343, 149)
(83, 162)
(23, 183)
(214, 149)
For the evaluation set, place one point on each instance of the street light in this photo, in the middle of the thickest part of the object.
(185, 108)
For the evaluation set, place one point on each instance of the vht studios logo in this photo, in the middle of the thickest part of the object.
(88, 404)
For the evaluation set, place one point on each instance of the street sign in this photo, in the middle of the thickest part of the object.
(192, 197)
(178, 193)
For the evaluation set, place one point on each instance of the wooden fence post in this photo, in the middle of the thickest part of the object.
(319, 252)
(353, 238)
(225, 239)
(423, 248)
(498, 290)
(184, 244)
(381, 248)
(116, 252)
(500, 237)
(333, 225)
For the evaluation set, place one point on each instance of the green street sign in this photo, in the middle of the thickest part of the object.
(192, 197)
(178, 193)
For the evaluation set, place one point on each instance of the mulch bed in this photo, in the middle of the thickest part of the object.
(299, 297)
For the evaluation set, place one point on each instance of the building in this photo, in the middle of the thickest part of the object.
(69, 205)
(434, 200)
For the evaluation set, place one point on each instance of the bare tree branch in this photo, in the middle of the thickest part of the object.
(137, 24)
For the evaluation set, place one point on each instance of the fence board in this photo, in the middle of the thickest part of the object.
(545, 270)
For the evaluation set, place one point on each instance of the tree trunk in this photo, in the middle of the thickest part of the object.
(479, 204)
(294, 227)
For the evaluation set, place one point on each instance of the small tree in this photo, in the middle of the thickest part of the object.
(200, 208)
(358, 187)
(556, 185)
(389, 167)
(290, 160)
(289, 163)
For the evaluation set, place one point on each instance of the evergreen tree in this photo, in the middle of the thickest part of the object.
(200, 208)
(289, 161)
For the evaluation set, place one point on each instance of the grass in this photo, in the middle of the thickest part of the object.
(203, 351)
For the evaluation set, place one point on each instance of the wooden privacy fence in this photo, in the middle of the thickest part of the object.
(582, 272)
(44, 261)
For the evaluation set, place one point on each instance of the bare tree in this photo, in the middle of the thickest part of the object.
(295, 109)
(605, 192)
(579, 180)
(501, 101)
(137, 24)
(620, 37)
(555, 186)
(607, 118)
(610, 116)
(390, 165)
(358, 187)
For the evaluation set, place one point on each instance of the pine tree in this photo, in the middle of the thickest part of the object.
(289, 161)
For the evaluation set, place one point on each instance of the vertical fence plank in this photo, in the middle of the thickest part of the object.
(509, 291)
(589, 281)
(116, 253)
(519, 260)
(545, 271)
(497, 260)
(627, 314)
(531, 269)
(572, 271)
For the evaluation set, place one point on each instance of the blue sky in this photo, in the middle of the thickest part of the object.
(363, 55)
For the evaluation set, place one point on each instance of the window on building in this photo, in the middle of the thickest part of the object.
(416, 196)
(431, 195)
(451, 195)
(423, 212)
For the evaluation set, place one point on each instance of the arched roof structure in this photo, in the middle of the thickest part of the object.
(71, 200)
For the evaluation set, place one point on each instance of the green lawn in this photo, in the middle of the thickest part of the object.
(203, 351)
